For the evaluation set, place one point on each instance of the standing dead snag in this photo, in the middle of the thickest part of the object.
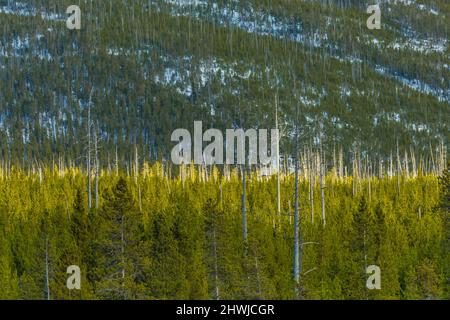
(322, 175)
(136, 176)
(399, 169)
(278, 160)
(322, 190)
(297, 236)
(297, 256)
(89, 124)
(244, 208)
(97, 166)
(311, 183)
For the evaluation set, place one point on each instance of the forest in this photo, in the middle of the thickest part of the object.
(361, 179)
(141, 69)
(156, 235)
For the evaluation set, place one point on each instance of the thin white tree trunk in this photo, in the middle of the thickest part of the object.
(322, 186)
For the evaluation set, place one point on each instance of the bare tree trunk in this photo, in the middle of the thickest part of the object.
(391, 166)
(414, 163)
(244, 208)
(399, 169)
(311, 186)
(97, 164)
(406, 164)
(89, 150)
(296, 231)
(380, 169)
(136, 176)
(136, 164)
(117, 162)
(370, 186)
(442, 157)
(40, 175)
(297, 236)
(278, 160)
(322, 186)
(341, 163)
(431, 168)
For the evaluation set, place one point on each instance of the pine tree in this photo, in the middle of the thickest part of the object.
(120, 246)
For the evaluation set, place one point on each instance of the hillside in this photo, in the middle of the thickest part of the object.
(154, 66)
(353, 204)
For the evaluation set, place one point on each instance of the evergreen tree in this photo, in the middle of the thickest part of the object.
(119, 246)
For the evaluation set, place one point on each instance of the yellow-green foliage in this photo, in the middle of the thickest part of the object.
(160, 237)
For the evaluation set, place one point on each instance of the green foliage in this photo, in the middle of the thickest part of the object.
(126, 49)
(182, 238)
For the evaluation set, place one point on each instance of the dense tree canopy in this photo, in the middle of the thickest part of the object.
(158, 237)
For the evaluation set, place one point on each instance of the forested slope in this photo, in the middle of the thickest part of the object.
(153, 66)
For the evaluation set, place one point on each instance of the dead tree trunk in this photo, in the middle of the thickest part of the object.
(89, 150)
(278, 160)
(97, 164)
(399, 169)
(297, 235)
(296, 231)
(322, 185)
(244, 208)
(311, 184)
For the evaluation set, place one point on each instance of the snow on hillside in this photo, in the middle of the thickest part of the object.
(23, 9)
(262, 23)
(415, 84)
(253, 21)
(413, 3)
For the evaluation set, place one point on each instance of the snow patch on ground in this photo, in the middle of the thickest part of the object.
(26, 10)
(245, 17)
(415, 84)
(413, 3)
(262, 23)
(425, 46)
(20, 47)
